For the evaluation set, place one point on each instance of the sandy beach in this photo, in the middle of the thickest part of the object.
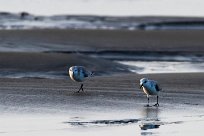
(101, 40)
(35, 104)
(109, 105)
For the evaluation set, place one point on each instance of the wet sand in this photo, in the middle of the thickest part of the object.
(112, 103)
(109, 105)
(189, 41)
(177, 89)
(56, 63)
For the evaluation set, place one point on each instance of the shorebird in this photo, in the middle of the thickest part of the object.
(150, 87)
(79, 74)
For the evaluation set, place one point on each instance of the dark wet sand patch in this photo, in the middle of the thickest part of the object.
(102, 40)
(53, 64)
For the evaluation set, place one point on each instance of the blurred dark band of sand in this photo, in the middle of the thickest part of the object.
(102, 40)
(56, 50)
(56, 62)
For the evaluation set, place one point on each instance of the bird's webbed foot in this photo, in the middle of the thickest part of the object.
(156, 105)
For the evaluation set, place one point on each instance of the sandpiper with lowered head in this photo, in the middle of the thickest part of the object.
(79, 74)
(150, 87)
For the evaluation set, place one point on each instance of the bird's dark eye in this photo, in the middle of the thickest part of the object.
(145, 81)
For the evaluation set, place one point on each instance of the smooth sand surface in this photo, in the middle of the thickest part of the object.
(109, 105)
(102, 40)
(180, 88)
(55, 62)
(112, 103)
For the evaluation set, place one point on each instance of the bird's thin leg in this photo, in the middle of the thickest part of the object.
(147, 101)
(81, 88)
(157, 104)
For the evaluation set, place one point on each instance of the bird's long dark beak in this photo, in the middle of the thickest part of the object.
(141, 86)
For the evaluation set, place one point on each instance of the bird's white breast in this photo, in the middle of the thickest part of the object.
(150, 90)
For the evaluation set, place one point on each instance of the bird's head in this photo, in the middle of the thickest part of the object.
(72, 70)
(142, 82)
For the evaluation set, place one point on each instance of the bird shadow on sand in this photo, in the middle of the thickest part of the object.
(84, 94)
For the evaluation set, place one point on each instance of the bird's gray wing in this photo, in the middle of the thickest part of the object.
(157, 86)
(84, 71)
(86, 74)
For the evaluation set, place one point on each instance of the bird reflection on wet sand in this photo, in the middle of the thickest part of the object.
(151, 119)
